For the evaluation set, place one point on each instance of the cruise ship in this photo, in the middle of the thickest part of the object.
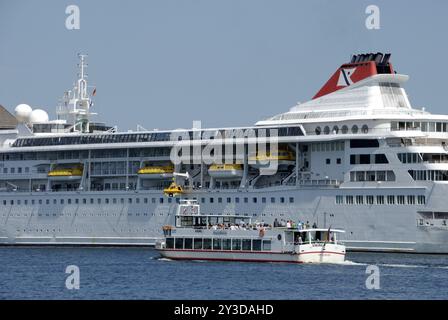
(357, 156)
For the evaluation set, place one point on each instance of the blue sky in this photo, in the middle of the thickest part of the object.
(164, 63)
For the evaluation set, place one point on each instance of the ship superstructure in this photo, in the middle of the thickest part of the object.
(357, 157)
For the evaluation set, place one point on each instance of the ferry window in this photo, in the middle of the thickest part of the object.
(146, 200)
(381, 158)
(439, 127)
(207, 244)
(188, 243)
(217, 244)
(421, 200)
(369, 199)
(432, 127)
(256, 245)
(153, 200)
(263, 199)
(370, 175)
(364, 143)
(318, 130)
(179, 243)
(344, 129)
(335, 130)
(359, 199)
(424, 126)
(226, 244)
(411, 199)
(129, 200)
(246, 244)
(236, 244)
(198, 244)
(246, 200)
(400, 199)
(338, 161)
(32, 201)
(339, 199)
(47, 201)
(160, 200)
(137, 200)
(282, 200)
(272, 200)
(169, 243)
(254, 200)
(55, 201)
(202, 200)
(327, 130)
(19, 170)
(266, 245)
(219, 200)
(13, 170)
(390, 199)
(91, 200)
(380, 199)
(355, 129)
(211, 200)
(40, 201)
(237, 200)
(353, 159)
(99, 201)
(364, 159)
(291, 200)
(170, 200)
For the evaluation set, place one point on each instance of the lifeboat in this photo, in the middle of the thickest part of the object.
(225, 171)
(283, 157)
(66, 173)
(156, 172)
(173, 190)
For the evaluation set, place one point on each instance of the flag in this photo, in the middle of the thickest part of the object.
(94, 92)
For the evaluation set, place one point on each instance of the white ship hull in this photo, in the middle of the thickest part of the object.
(316, 256)
(369, 227)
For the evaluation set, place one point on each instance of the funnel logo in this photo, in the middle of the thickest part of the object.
(345, 77)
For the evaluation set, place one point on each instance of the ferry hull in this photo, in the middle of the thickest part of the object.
(309, 257)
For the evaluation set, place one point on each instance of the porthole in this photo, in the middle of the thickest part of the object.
(344, 129)
(318, 130)
(335, 130)
(327, 130)
(365, 129)
(279, 237)
(355, 129)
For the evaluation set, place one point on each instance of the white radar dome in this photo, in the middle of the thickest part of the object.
(23, 112)
(38, 116)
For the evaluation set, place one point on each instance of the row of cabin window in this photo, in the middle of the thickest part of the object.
(429, 175)
(246, 200)
(343, 129)
(136, 200)
(366, 176)
(218, 244)
(417, 157)
(389, 199)
(368, 158)
(418, 125)
(13, 170)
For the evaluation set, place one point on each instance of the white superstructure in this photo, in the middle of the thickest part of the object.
(357, 157)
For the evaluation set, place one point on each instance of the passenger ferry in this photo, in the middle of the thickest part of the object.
(357, 156)
(198, 236)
